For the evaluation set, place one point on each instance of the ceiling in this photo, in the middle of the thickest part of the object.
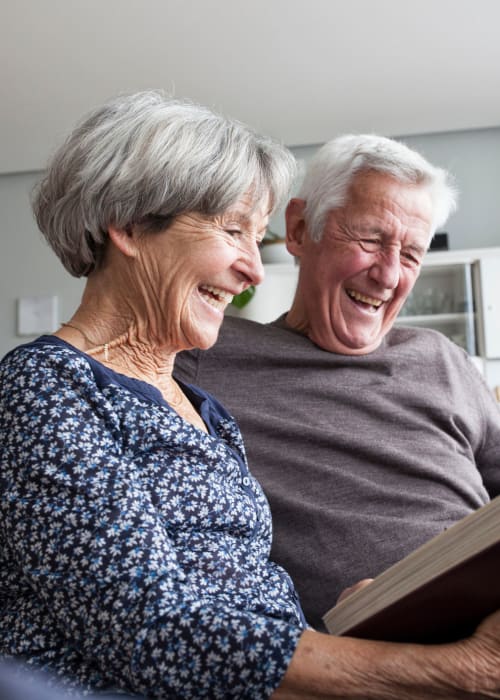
(300, 70)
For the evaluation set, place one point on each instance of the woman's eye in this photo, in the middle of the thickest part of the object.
(233, 231)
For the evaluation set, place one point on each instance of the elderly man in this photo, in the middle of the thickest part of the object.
(368, 439)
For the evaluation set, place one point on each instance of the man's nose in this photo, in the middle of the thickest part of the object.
(386, 268)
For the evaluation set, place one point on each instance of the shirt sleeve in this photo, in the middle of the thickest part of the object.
(92, 545)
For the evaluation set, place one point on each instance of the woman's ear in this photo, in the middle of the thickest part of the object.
(124, 240)
(296, 229)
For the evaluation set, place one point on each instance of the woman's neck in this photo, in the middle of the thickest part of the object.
(107, 327)
(119, 344)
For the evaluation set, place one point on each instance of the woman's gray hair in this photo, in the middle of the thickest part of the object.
(332, 169)
(143, 159)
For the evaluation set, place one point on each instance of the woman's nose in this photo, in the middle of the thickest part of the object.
(257, 267)
(250, 264)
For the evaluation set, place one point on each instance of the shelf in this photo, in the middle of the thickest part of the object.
(451, 257)
(434, 319)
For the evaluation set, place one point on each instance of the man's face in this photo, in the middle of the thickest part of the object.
(353, 283)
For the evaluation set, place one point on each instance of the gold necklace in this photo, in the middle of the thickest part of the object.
(106, 347)
(97, 349)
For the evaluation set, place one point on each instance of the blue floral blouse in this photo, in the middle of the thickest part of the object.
(133, 546)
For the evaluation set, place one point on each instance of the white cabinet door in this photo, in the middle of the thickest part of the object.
(442, 298)
(488, 297)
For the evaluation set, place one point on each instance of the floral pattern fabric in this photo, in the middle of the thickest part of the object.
(133, 546)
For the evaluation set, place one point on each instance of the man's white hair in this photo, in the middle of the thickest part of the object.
(332, 169)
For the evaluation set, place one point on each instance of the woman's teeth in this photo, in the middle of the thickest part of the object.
(218, 298)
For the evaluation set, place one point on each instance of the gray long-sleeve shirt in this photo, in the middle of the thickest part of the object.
(363, 458)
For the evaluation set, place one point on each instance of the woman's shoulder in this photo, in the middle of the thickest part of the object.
(46, 353)
(43, 366)
(35, 355)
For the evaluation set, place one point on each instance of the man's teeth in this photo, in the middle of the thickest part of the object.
(218, 298)
(361, 297)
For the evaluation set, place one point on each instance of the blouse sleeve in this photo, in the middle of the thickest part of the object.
(89, 541)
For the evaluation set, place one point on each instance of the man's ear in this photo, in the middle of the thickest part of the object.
(296, 229)
(124, 240)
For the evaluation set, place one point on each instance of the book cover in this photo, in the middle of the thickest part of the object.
(439, 593)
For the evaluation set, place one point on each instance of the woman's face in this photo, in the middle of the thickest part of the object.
(189, 273)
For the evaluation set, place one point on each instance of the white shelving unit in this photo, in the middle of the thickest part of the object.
(443, 298)
(458, 293)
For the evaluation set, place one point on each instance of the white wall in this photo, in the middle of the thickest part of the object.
(29, 268)
(27, 265)
(473, 157)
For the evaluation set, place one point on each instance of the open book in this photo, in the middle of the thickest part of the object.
(438, 593)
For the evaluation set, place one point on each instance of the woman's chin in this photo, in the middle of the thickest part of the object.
(205, 334)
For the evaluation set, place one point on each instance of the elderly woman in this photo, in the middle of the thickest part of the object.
(135, 541)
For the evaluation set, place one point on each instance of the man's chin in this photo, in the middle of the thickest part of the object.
(347, 344)
(365, 343)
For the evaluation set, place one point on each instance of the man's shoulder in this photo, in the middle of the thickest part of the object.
(238, 330)
(242, 344)
(425, 339)
(429, 348)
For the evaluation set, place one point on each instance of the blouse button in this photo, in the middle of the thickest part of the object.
(246, 481)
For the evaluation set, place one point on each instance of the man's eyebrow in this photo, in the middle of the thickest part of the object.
(369, 228)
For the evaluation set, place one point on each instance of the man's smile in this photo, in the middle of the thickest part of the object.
(370, 302)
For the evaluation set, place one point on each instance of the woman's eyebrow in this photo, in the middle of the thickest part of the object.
(235, 215)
